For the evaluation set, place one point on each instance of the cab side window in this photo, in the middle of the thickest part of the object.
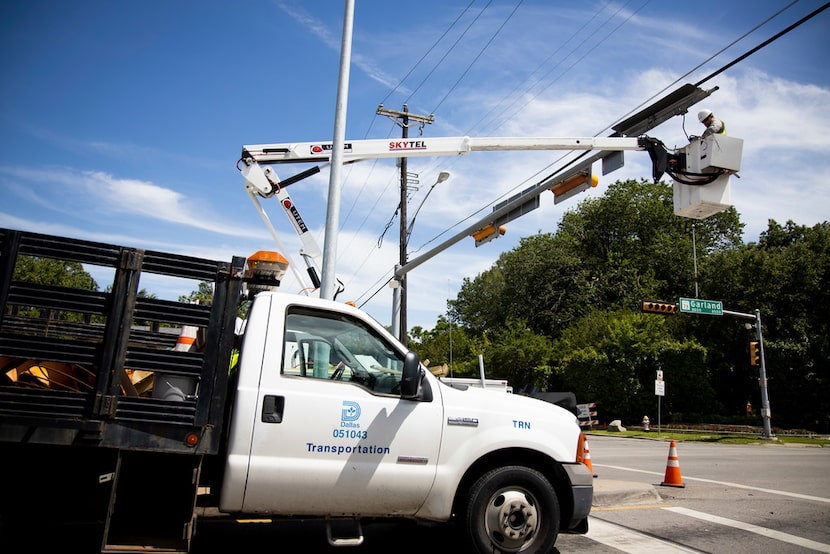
(336, 347)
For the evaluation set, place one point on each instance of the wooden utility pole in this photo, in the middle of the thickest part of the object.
(405, 120)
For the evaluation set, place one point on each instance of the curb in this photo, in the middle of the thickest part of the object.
(624, 493)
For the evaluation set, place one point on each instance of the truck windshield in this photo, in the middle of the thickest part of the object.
(337, 347)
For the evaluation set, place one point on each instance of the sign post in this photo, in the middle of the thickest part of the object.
(660, 391)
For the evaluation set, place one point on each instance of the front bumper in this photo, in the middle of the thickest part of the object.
(582, 491)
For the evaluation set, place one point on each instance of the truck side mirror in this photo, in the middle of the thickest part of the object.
(411, 377)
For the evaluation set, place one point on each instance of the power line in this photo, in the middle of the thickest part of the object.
(492, 38)
(430, 49)
(511, 191)
(447, 53)
(704, 62)
(768, 41)
(724, 68)
(514, 93)
(578, 60)
(707, 78)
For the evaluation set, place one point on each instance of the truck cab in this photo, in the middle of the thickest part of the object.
(333, 418)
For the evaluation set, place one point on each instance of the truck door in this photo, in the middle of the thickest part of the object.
(333, 435)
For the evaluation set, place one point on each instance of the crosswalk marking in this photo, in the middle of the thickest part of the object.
(777, 535)
(728, 484)
(626, 540)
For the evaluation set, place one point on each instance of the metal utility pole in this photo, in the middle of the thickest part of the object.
(327, 284)
(766, 413)
(405, 120)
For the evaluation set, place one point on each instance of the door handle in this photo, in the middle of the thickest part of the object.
(272, 408)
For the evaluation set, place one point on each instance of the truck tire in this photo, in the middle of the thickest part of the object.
(511, 509)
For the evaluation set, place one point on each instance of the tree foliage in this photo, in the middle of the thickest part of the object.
(52, 272)
(613, 357)
(786, 276)
(610, 252)
(49, 271)
(579, 289)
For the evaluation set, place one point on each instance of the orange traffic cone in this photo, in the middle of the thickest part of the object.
(187, 338)
(673, 478)
(586, 459)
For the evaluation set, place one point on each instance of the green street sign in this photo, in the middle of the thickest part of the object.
(698, 306)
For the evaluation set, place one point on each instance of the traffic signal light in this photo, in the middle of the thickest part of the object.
(577, 183)
(488, 233)
(754, 353)
(665, 308)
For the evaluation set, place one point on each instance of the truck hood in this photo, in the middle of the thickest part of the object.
(521, 418)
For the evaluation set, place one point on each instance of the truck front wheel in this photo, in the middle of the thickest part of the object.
(512, 509)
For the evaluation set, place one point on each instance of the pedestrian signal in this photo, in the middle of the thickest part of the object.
(754, 353)
(659, 307)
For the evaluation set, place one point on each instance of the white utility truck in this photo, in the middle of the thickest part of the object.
(107, 425)
(110, 422)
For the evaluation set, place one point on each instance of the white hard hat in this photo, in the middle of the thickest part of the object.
(703, 114)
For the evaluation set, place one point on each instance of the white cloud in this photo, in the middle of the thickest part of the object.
(333, 42)
(100, 191)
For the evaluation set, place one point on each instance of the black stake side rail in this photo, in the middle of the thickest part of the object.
(99, 407)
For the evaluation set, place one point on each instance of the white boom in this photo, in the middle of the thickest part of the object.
(356, 150)
(265, 183)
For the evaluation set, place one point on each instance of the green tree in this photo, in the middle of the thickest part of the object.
(447, 343)
(634, 247)
(610, 252)
(56, 273)
(519, 355)
(478, 304)
(202, 295)
(611, 358)
(49, 271)
(786, 275)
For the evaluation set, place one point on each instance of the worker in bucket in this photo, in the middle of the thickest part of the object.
(714, 126)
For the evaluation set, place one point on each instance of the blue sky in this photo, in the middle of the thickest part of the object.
(123, 121)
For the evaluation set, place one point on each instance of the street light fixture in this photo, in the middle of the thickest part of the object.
(443, 176)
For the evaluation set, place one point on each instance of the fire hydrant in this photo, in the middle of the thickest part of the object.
(645, 424)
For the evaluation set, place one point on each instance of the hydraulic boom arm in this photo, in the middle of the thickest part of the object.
(263, 181)
(300, 152)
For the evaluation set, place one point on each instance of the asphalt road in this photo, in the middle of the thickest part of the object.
(736, 499)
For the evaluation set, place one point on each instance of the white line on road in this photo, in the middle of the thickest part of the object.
(728, 484)
(777, 535)
(622, 538)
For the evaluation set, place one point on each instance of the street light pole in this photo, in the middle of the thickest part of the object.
(327, 284)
